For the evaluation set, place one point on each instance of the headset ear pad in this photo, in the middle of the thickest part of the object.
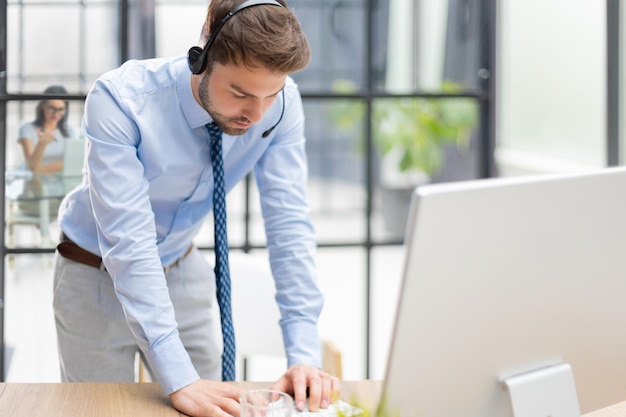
(196, 64)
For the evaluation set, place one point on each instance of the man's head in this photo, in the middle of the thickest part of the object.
(247, 61)
(254, 33)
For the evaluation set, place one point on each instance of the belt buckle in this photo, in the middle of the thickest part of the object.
(172, 265)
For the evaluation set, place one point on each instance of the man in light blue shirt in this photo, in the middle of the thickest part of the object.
(127, 274)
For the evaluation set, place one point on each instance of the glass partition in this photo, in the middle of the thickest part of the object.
(33, 198)
(30, 349)
(376, 64)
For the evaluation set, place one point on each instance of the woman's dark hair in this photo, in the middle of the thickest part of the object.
(40, 117)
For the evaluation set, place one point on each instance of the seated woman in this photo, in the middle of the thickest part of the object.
(43, 144)
(43, 140)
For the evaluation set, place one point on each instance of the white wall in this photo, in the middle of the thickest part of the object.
(551, 73)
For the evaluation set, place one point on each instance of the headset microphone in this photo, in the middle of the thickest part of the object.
(268, 131)
(282, 112)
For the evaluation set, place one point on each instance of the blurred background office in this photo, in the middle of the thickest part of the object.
(399, 93)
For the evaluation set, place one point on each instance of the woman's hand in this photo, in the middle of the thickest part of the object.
(45, 137)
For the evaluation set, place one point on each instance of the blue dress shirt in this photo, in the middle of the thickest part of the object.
(148, 188)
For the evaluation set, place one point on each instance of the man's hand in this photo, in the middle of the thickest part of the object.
(207, 399)
(323, 388)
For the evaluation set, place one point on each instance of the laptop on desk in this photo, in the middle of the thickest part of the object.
(73, 157)
(512, 301)
(73, 160)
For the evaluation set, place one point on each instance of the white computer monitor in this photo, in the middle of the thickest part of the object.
(522, 276)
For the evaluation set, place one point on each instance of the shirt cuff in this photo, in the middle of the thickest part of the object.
(171, 366)
(302, 344)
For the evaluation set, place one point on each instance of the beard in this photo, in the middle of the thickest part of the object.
(221, 120)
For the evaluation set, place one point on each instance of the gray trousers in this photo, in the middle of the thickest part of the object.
(94, 341)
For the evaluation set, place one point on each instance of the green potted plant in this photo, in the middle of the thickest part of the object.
(411, 135)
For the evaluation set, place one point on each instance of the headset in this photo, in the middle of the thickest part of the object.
(197, 57)
(282, 112)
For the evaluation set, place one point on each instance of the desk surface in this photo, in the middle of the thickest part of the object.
(137, 400)
(40, 187)
(117, 399)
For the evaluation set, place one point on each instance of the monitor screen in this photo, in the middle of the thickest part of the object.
(507, 277)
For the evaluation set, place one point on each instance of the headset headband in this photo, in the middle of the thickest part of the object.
(197, 57)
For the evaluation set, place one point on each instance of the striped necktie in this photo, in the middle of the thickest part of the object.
(222, 270)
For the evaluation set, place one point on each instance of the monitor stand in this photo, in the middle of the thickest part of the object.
(548, 391)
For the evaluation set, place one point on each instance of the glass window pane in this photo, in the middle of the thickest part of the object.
(172, 37)
(101, 45)
(17, 113)
(33, 199)
(30, 335)
(47, 46)
(420, 141)
(336, 31)
(336, 169)
(447, 43)
(14, 41)
(50, 2)
(70, 54)
(431, 43)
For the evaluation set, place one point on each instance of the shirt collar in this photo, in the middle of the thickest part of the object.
(194, 113)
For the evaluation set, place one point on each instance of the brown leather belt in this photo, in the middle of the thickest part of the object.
(72, 251)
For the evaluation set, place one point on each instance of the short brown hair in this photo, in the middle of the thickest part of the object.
(264, 35)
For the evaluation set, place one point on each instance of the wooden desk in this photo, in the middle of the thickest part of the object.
(118, 399)
(139, 400)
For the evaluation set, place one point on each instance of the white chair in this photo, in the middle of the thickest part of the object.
(26, 207)
(261, 354)
(260, 349)
(35, 199)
